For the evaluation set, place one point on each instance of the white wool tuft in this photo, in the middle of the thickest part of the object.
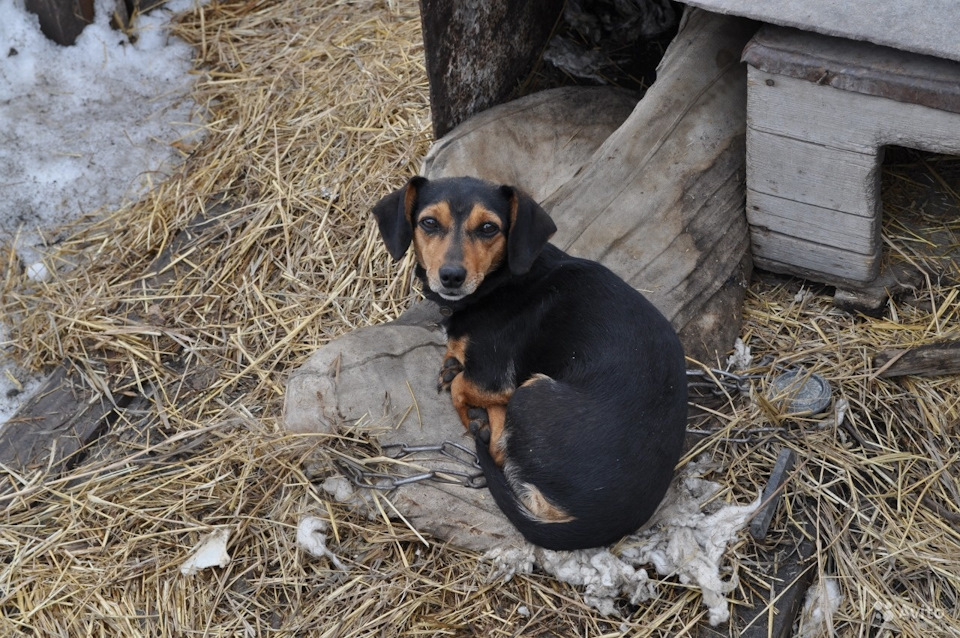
(312, 538)
(821, 603)
(741, 359)
(682, 539)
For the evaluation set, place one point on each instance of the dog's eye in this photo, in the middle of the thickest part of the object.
(429, 224)
(489, 229)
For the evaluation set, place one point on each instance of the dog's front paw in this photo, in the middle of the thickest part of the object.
(448, 372)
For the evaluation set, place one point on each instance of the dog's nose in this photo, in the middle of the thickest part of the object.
(452, 276)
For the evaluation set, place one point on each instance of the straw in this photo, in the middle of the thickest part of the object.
(316, 110)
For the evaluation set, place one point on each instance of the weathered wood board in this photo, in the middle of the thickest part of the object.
(812, 260)
(60, 418)
(928, 360)
(819, 112)
(831, 117)
(830, 227)
(823, 176)
(922, 27)
(793, 567)
(661, 201)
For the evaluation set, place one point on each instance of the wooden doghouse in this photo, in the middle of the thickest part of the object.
(819, 112)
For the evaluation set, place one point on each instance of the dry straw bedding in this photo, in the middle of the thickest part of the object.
(315, 111)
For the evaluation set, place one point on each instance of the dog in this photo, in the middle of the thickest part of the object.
(572, 383)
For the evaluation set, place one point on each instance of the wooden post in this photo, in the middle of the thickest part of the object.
(478, 53)
(62, 20)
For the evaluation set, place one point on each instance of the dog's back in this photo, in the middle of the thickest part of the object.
(599, 427)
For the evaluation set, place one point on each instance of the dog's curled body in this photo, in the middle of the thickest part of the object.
(573, 382)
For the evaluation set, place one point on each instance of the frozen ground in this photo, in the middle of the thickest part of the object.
(83, 128)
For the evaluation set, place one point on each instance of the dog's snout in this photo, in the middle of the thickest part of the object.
(452, 275)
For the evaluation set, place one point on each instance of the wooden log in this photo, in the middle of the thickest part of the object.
(478, 53)
(770, 498)
(929, 360)
(536, 143)
(661, 202)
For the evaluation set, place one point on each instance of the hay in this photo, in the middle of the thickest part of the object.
(316, 110)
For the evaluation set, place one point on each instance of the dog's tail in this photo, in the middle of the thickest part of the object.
(576, 534)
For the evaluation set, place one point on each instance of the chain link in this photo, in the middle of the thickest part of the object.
(470, 476)
(721, 382)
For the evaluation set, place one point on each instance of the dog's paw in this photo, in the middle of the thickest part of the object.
(479, 425)
(448, 372)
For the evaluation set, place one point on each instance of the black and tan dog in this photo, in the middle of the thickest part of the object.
(572, 382)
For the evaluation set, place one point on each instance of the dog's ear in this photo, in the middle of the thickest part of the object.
(530, 229)
(394, 215)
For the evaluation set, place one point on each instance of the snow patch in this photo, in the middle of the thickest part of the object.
(83, 127)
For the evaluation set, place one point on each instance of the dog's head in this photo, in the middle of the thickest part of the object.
(463, 229)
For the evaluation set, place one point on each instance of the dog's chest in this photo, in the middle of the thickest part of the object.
(494, 350)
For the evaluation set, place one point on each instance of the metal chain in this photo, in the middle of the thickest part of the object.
(472, 477)
(721, 382)
(718, 382)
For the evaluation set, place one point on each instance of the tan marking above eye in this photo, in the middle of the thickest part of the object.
(480, 216)
(439, 211)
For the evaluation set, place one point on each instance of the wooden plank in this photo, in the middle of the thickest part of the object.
(810, 173)
(54, 424)
(823, 225)
(832, 117)
(792, 574)
(478, 53)
(929, 360)
(922, 27)
(797, 256)
(857, 67)
(771, 494)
